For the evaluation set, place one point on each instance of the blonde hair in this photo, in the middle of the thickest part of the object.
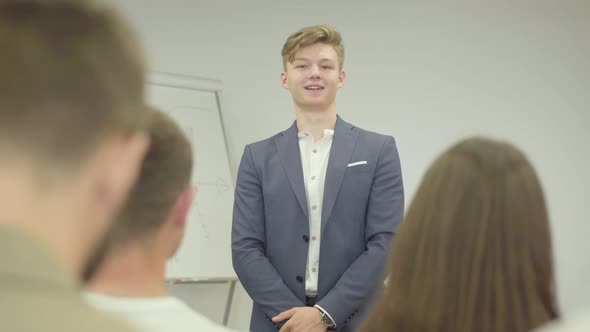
(474, 251)
(72, 71)
(312, 35)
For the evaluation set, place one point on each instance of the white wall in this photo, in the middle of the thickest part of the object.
(427, 73)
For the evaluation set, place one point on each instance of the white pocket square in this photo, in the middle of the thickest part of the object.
(363, 162)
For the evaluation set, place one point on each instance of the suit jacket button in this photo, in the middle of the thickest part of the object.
(305, 238)
(299, 278)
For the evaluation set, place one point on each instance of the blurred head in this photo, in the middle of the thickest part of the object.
(474, 251)
(154, 216)
(312, 61)
(71, 117)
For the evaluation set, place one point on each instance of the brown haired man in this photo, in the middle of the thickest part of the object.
(129, 281)
(316, 205)
(71, 144)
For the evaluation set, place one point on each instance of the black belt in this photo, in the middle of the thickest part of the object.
(310, 301)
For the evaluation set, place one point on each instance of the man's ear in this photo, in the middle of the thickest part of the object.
(341, 78)
(182, 206)
(284, 80)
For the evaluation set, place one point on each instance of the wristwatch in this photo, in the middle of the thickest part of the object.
(326, 320)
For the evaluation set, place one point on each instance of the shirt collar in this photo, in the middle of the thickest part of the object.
(327, 133)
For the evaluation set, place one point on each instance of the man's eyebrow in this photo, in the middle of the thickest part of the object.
(307, 59)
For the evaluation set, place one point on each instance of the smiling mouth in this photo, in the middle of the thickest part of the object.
(314, 87)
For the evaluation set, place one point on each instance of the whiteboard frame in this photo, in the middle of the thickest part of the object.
(190, 82)
(184, 81)
(198, 83)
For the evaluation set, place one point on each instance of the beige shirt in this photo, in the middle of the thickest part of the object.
(37, 295)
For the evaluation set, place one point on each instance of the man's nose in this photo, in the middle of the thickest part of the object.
(314, 71)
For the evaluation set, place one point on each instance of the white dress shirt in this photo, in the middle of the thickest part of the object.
(314, 160)
(154, 314)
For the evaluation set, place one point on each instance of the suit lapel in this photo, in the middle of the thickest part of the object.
(287, 144)
(343, 145)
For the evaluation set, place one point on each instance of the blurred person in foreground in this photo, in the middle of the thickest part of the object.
(128, 275)
(474, 250)
(71, 144)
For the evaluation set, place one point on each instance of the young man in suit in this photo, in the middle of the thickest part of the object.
(129, 279)
(71, 144)
(316, 205)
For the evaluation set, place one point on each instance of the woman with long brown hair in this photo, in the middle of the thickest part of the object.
(474, 251)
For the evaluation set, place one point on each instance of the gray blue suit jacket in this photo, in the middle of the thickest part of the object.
(363, 206)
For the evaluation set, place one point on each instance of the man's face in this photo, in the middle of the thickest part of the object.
(313, 77)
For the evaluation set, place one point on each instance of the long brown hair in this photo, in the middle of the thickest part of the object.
(474, 251)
